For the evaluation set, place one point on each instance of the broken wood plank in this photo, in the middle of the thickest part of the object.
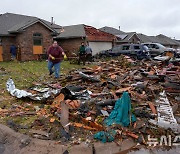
(151, 105)
(64, 115)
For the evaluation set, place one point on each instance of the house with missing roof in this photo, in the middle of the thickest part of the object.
(30, 34)
(72, 36)
(122, 37)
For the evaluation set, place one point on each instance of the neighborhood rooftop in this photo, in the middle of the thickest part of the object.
(34, 35)
(11, 22)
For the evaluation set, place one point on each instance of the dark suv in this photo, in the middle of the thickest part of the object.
(125, 49)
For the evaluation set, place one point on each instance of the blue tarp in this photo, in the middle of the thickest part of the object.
(121, 112)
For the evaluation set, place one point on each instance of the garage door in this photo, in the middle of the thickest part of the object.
(99, 46)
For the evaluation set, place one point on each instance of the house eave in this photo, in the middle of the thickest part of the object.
(7, 35)
(70, 37)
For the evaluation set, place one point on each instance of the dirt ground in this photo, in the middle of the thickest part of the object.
(12, 142)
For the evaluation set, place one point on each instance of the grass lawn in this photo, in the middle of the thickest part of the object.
(24, 73)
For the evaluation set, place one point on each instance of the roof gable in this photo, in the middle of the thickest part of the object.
(167, 40)
(130, 35)
(13, 22)
(22, 26)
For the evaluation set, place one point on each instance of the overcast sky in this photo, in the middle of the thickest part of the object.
(151, 17)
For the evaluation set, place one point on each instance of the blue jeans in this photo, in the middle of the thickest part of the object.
(56, 68)
(13, 56)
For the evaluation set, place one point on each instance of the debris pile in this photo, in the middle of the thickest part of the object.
(111, 101)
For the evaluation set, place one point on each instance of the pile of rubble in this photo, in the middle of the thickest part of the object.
(111, 101)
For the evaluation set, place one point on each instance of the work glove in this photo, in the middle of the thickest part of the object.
(65, 57)
(52, 58)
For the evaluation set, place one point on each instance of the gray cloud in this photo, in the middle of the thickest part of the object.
(150, 17)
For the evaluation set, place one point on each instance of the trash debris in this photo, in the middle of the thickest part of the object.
(111, 101)
(74, 93)
(88, 77)
(165, 114)
(105, 113)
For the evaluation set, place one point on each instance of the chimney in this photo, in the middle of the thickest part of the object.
(52, 21)
(119, 28)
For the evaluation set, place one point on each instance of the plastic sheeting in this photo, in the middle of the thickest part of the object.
(105, 136)
(121, 113)
(42, 95)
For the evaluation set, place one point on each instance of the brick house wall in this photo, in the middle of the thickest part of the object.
(25, 41)
(70, 45)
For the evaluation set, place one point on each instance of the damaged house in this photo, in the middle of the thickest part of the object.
(71, 37)
(31, 36)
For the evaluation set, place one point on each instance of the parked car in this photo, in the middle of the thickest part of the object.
(156, 49)
(125, 49)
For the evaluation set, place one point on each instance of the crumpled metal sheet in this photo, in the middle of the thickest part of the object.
(16, 92)
(165, 114)
(43, 94)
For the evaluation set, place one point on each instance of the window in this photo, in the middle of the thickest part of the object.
(126, 47)
(154, 46)
(148, 45)
(37, 43)
(37, 35)
(115, 49)
(37, 39)
(136, 47)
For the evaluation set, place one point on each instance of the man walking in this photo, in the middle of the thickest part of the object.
(13, 52)
(55, 56)
(82, 54)
(88, 53)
